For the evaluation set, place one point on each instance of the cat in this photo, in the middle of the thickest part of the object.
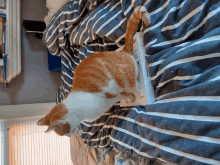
(100, 80)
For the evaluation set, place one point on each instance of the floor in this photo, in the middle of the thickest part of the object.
(35, 84)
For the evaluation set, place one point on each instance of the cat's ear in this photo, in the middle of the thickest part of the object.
(43, 121)
(53, 125)
(56, 113)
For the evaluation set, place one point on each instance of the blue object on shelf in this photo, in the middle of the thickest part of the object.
(54, 62)
(3, 15)
(5, 60)
(5, 56)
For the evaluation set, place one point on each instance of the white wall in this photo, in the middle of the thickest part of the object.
(33, 10)
(24, 110)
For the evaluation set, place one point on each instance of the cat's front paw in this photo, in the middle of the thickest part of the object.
(127, 101)
(133, 98)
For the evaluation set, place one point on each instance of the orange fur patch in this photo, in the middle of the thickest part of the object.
(91, 75)
(109, 95)
(125, 94)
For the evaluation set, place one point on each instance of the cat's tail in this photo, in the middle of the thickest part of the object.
(132, 26)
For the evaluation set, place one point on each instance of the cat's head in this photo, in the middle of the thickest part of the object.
(66, 116)
(60, 121)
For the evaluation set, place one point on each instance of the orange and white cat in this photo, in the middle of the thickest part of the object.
(100, 80)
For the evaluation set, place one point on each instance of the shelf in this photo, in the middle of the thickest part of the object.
(36, 27)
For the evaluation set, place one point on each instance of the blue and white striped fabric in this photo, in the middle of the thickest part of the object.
(183, 51)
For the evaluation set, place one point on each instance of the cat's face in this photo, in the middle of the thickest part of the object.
(58, 120)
